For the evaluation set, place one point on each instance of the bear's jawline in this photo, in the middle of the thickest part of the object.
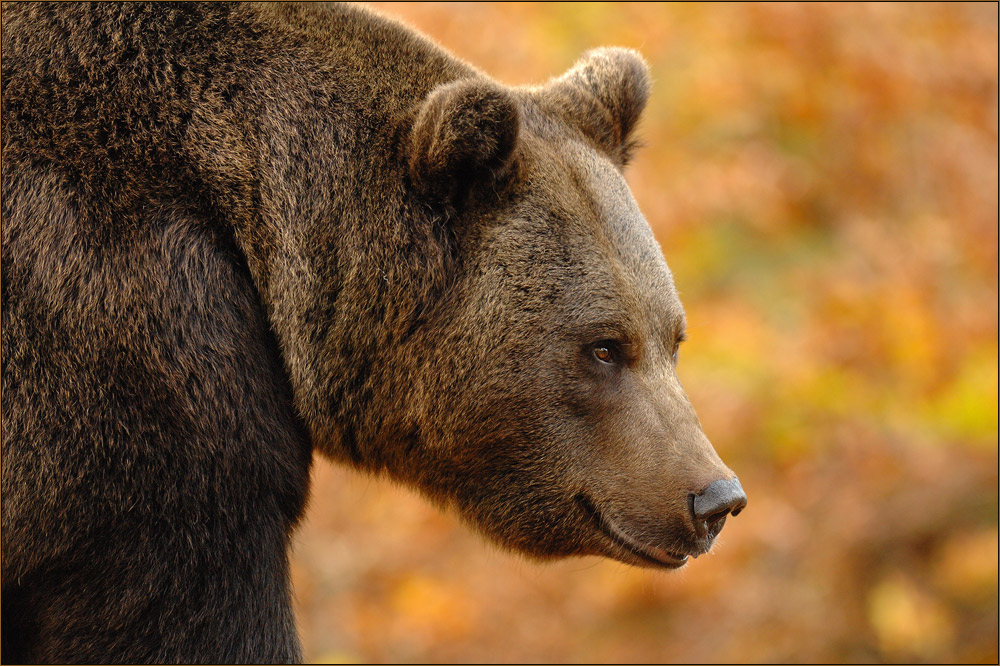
(657, 556)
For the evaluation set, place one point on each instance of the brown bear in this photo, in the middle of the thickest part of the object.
(233, 234)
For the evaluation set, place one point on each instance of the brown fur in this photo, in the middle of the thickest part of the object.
(236, 233)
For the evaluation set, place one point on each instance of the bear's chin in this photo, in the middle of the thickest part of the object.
(625, 548)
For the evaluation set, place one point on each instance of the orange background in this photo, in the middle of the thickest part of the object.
(823, 182)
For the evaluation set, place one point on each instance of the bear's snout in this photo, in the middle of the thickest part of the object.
(710, 507)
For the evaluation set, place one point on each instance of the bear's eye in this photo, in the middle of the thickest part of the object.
(677, 346)
(608, 352)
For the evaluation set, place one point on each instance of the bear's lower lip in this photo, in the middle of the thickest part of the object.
(648, 554)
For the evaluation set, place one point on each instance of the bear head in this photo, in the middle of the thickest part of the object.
(545, 388)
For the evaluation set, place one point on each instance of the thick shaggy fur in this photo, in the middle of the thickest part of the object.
(233, 234)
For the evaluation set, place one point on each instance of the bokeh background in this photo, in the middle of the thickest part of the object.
(823, 182)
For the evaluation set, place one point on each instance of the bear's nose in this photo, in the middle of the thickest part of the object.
(714, 503)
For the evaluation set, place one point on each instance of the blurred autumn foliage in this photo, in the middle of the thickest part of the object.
(823, 182)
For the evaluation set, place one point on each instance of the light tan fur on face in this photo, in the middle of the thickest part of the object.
(652, 451)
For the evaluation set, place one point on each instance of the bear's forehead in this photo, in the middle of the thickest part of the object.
(584, 213)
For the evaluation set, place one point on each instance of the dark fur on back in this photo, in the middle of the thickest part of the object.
(152, 159)
(233, 234)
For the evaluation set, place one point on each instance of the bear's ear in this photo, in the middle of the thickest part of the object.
(464, 131)
(603, 95)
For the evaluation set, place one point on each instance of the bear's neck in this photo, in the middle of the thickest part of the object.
(343, 261)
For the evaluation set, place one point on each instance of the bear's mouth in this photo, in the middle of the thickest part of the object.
(648, 554)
